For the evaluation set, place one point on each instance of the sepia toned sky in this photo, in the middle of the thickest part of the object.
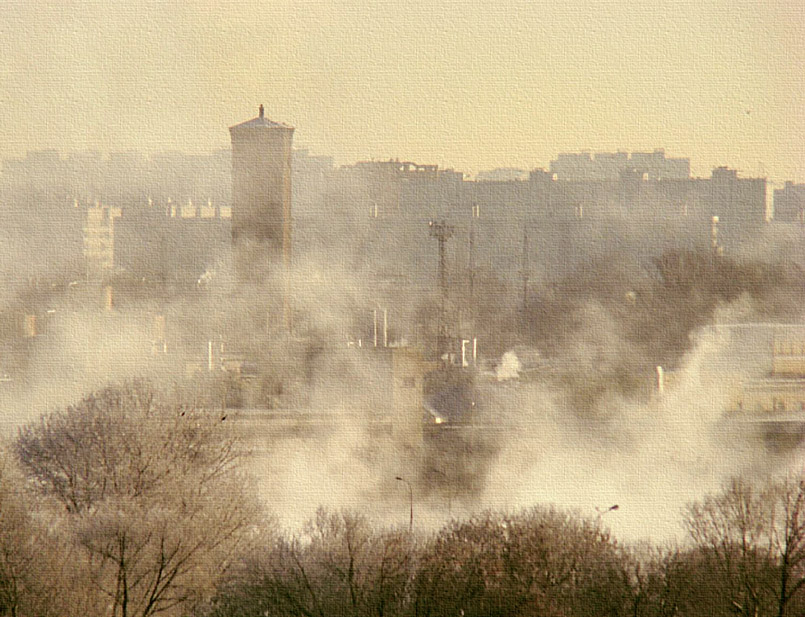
(465, 84)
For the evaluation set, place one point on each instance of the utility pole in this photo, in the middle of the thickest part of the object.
(410, 503)
(524, 266)
(442, 232)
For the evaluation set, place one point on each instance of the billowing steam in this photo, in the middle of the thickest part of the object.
(560, 408)
(509, 367)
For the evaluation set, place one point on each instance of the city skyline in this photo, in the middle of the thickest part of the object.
(463, 85)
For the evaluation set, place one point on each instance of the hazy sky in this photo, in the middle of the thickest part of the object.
(470, 85)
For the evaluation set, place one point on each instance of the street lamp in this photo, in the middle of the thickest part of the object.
(602, 511)
(410, 501)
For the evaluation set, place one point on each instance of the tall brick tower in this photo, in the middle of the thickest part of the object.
(261, 196)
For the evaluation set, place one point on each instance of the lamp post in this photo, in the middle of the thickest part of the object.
(602, 511)
(410, 502)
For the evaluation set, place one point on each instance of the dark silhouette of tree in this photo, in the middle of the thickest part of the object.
(539, 562)
(752, 538)
(150, 492)
(339, 566)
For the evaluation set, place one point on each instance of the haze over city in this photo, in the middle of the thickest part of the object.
(394, 309)
(467, 85)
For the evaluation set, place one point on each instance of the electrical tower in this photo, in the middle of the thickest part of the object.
(476, 213)
(442, 232)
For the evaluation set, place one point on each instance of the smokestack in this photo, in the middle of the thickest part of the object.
(374, 327)
(261, 111)
(660, 380)
(475, 351)
(464, 363)
(385, 328)
(210, 364)
(109, 298)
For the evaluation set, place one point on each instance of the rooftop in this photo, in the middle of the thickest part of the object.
(261, 121)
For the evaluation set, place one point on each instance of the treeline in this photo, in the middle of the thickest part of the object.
(127, 505)
(632, 318)
(745, 558)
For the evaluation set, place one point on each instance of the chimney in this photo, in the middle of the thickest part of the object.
(262, 111)
(464, 363)
(660, 380)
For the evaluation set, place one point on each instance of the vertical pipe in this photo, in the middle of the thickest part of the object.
(385, 328)
(525, 266)
(210, 366)
(475, 351)
(714, 235)
(374, 327)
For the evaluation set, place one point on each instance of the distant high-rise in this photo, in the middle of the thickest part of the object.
(261, 186)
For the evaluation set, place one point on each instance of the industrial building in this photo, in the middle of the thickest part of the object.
(512, 234)
(760, 365)
(789, 203)
(180, 245)
(399, 189)
(585, 166)
(99, 241)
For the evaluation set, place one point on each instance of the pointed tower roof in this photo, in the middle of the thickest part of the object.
(260, 122)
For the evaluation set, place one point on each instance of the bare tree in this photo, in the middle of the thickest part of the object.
(17, 553)
(339, 565)
(364, 571)
(538, 562)
(151, 492)
(30, 556)
(754, 539)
